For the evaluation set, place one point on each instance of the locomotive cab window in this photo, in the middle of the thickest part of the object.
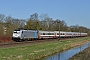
(22, 31)
(14, 32)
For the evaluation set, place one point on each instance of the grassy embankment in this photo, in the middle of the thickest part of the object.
(38, 51)
(84, 55)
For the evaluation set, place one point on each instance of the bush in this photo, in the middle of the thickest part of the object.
(4, 39)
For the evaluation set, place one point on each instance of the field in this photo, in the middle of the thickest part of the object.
(38, 51)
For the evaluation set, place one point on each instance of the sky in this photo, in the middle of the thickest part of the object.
(73, 12)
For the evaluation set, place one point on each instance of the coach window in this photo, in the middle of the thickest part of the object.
(63, 34)
(57, 33)
(48, 33)
(60, 33)
(52, 33)
(43, 33)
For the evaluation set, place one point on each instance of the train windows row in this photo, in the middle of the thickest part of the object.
(68, 34)
(47, 33)
(60, 34)
(53, 34)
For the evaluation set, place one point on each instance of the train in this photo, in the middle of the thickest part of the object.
(23, 34)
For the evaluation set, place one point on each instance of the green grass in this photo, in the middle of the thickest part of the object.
(37, 51)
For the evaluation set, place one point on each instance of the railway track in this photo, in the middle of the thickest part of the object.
(28, 43)
(24, 43)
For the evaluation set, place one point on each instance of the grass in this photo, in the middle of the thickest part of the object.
(37, 51)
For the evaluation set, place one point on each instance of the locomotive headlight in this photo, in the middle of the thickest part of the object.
(16, 35)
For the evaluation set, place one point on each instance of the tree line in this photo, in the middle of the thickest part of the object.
(35, 22)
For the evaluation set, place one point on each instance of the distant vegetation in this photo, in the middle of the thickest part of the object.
(35, 22)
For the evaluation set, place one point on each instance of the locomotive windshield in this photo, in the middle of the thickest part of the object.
(16, 31)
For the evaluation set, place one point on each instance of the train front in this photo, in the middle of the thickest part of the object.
(16, 35)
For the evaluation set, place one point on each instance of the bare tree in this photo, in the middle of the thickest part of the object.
(2, 18)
